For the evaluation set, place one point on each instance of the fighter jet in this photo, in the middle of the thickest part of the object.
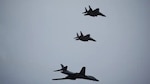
(92, 12)
(84, 37)
(74, 76)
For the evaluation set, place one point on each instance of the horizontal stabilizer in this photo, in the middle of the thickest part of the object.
(63, 68)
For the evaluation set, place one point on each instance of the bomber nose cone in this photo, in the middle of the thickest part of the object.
(57, 70)
(96, 80)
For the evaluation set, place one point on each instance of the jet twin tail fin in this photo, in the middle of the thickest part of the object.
(81, 33)
(77, 35)
(90, 9)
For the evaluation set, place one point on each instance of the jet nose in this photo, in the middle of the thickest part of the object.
(76, 38)
(96, 79)
(57, 70)
(84, 12)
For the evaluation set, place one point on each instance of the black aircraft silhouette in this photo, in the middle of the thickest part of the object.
(92, 12)
(84, 38)
(74, 76)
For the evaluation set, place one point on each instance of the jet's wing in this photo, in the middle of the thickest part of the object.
(89, 38)
(82, 71)
(97, 10)
(59, 78)
(88, 35)
(99, 13)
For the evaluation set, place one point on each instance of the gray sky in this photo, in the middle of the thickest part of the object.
(36, 36)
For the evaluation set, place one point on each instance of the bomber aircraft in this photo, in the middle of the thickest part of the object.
(84, 37)
(92, 12)
(74, 76)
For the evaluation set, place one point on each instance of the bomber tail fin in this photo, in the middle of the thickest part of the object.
(82, 71)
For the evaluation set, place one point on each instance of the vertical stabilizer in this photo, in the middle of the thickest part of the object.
(81, 33)
(85, 9)
(82, 71)
(90, 9)
(77, 35)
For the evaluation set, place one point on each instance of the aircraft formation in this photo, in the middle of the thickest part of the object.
(84, 38)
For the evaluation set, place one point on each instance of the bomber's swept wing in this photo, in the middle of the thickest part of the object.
(59, 78)
(67, 77)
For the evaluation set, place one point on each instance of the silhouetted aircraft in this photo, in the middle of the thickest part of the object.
(84, 38)
(74, 76)
(92, 12)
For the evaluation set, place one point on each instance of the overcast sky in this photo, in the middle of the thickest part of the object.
(36, 36)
